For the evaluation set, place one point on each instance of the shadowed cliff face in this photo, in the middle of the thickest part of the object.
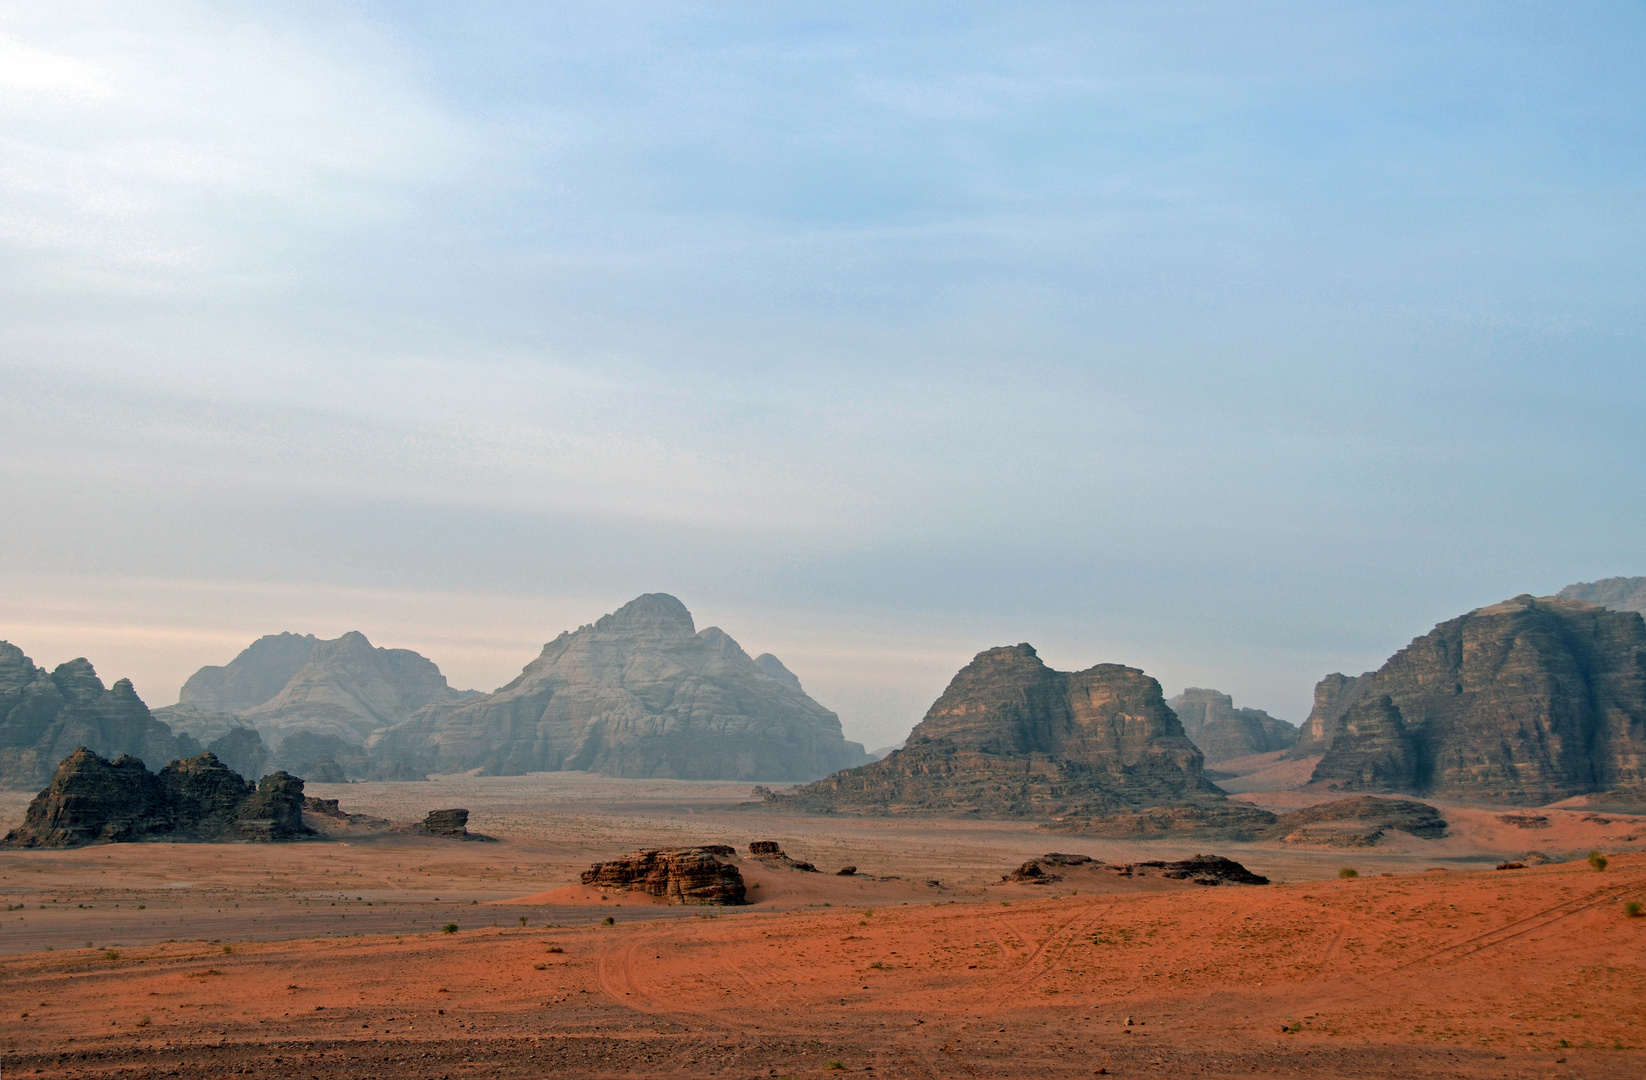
(1010, 737)
(640, 693)
(1527, 701)
(1223, 732)
(45, 717)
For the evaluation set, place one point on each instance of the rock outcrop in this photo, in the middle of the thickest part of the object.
(94, 801)
(1616, 593)
(1207, 870)
(1361, 822)
(242, 750)
(640, 693)
(1524, 702)
(45, 716)
(681, 876)
(1225, 733)
(311, 699)
(1012, 738)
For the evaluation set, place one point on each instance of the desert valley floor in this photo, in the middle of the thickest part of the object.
(327, 958)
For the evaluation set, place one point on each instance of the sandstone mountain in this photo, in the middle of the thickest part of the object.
(1224, 732)
(1528, 701)
(640, 693)
(45, 716)
(1011, 737)
(93, 801)
(311, 700)
(1617, 593)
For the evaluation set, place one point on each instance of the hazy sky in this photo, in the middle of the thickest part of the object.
(1238, 342)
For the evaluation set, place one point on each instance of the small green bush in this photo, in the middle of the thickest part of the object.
(1348, 872)
(449, 928)
(833, 1066)
(1632, 909)
(1597, 860)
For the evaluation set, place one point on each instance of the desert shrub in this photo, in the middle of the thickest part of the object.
(540, 967)
(1348, 872)
(111, 955)
(449, 928)
(1632, 909)
(610, 921)
(1597, 860)
(522, 920)
(142, 1021)
(833, 1066)
(228, 950)
(556, 948)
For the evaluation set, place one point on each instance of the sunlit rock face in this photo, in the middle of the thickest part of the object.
(640, 693)
(1011, 737)
(1528, 701)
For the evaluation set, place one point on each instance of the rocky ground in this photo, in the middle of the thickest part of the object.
(334, 964)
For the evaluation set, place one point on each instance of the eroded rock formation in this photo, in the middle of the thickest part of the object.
(1617, 593)
(45, 716)
(1361, 822)
(94, 801)
(682, 876)
(313, 701)
(1223, 732)
(1011, 737)
(640, 693)
(1526, 702)
(242, 750)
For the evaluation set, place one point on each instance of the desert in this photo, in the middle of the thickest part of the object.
(327, 957)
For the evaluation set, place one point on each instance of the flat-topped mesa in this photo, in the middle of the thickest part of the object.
(1011, 737)
(639, 693)
(1526, 702)
(93, 801)
(1225, 733)
(681, 876)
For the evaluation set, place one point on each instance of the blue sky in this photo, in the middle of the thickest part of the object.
(1239, 344)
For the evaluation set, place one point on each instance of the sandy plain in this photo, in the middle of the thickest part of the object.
(326, 958)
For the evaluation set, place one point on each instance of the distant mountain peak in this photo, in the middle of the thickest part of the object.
(653, 612)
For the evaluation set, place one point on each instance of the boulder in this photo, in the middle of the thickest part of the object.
(682, 876)
(1526, 702)
(639, 693)
(1012, 738)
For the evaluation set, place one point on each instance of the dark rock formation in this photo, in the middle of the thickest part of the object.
(846, 871)
(1224, 732)
(765, 847)
(640, 693)
(242, 750)
(1208, 870)
(44, 717)
(1526, 702)
(1616, 593)
(683, 876)
(93, 801)
(446, 822)
(1360, 822)
(1032, 873)
(311, 699)
(768, 851)
(1010, 737)
(1214, 821)
(324, 770)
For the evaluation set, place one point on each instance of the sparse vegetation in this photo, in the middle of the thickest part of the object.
(1631, 909)
(540, 967)
(228, 950)
(1597, 860)
(449, 928)
(142, 1021)
(610, 921)
(522, 920)
(556, 948)
(834, 1066)
(1348, 872)
(110, 954)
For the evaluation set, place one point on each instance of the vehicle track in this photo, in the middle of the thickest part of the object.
(1547, 917)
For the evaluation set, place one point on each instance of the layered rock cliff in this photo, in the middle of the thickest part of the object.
(640, 693)
(1617, 593)
(309, 699)
(1223, 732)
(1011, 737)
(45, 716)
(1526, 702)
(94, 801)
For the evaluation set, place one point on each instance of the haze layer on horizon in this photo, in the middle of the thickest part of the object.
(1241, 346)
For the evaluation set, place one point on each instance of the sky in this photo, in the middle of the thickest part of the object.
(1239, 343)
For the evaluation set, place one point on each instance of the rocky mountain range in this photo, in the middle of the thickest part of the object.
(640, 693)
(1011, 737)
(1528, 701)
(1225, 733)
(1617, 593)
(313, 701)
(45, 716)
